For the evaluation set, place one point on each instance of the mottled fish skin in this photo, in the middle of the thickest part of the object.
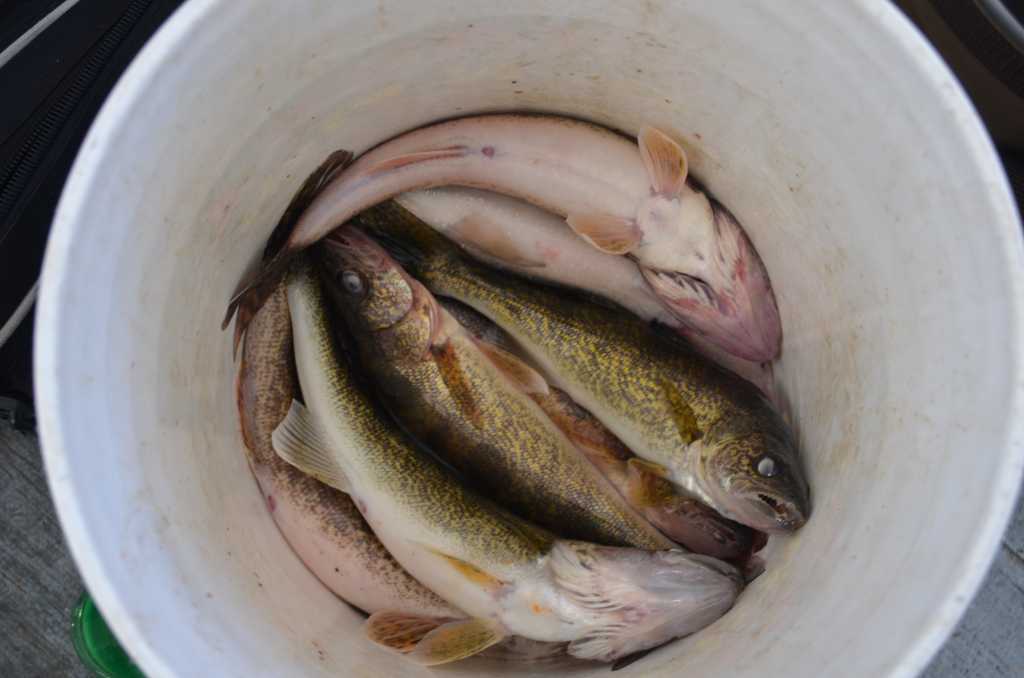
(710, 431)
(449, 395)
(529, 241)
(683, 519)
(321, 524)
(510, 577)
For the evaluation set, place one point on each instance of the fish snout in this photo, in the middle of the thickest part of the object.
(769, 512)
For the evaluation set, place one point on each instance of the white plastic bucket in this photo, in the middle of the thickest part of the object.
(831, 129)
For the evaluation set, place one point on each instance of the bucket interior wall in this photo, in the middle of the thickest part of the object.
(882, 225)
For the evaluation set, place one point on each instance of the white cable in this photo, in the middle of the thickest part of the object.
(19, 314)
(29, 35)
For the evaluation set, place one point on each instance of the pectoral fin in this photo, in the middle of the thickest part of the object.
(300, 441)
(454, 376)
(646, 485)
(638, 465)
(515, 369)
(665, 161)
(418, 157)
(606, 232)
(682, 414)
(456, 640)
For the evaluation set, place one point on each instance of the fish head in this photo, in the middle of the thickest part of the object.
(374, 294)
(755, 477)
(637, 599)
(713, 281)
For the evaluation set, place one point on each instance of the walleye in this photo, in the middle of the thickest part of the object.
(321, 524)
(620, 198)
(519, 237)
(507, 575)
(683, 519)
(469, 401)
(698, 425)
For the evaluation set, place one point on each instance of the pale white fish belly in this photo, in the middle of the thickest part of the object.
(563, 165)
(529, 603)
(541, 239)
(342, 567)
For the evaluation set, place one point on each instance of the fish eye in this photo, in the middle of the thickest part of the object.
(766, 467)
(351, 282)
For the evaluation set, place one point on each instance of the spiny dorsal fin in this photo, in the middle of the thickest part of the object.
(300, 441)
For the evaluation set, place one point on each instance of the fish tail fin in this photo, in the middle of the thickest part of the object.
(640, 599)
(254, 288)
(311, 187)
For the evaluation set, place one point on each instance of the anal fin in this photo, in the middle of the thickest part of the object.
(457, 640)
(399, 631)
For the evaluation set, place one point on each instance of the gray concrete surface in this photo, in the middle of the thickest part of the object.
(39, 585)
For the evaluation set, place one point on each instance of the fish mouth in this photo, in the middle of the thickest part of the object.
(741, 319)
(769, 512)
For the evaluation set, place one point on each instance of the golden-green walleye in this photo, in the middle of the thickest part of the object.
(320, 523)
(683, 519)
(470, 402)
(507, 575)
(700, 426)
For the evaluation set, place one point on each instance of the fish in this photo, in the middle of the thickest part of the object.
(509, 576)
(321, 524)
(683, 519)
(468, 401)
(524, 239)
(623, 198)
(688, 420)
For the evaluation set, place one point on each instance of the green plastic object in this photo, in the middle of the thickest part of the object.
(96, 645)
